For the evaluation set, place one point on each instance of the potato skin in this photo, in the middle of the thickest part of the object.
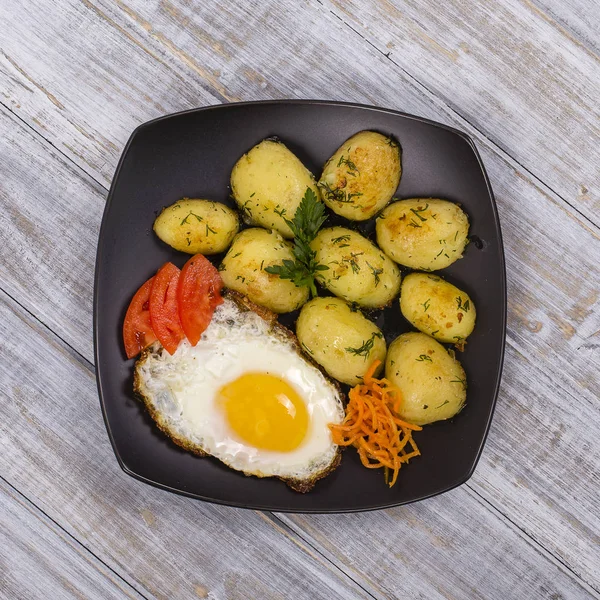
(268, 184)
(361, 176)
(197, 226)
(334, 335)
(437, 307)
(358, 270)
(243, 270)
(423, 233)
(432, 382)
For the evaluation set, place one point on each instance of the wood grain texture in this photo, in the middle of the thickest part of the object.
(457, 552)
(38, 558)
(43, 199)
(119, 81)
(90, 73)
(515, 76)
(577, 19)
(56, 452)
(180, 56)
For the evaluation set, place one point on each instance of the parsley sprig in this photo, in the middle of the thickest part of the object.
(307, 221)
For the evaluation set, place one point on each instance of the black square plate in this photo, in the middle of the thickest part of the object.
(192, 154)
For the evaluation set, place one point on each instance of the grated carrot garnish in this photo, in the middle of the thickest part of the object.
(372, 426)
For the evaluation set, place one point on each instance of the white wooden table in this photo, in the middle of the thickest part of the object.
(522, 77)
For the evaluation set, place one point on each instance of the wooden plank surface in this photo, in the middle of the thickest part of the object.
(515, 76)
(456, 552)
(93, 70)
(577, 19)
(57, 454)
(37, 557)
(569, 509)
(92, 109)
(171, 57)
(168, 546)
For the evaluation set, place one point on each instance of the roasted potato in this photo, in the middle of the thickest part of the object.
(432, 382)
(243, 270)
(358, 270)
(362, 176)
(197, 226)
(340, 339)
(437, 307)
(423, 233)
(268, 184)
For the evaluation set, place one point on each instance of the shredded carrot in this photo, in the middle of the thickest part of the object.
(372, 426)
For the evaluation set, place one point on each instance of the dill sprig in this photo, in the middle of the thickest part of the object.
(464, 307)
(367, 346)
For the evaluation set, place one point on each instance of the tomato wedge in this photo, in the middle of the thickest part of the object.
(198, 294)
(137, 328)
(164, 313)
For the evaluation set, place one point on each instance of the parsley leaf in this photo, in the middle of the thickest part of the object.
(307, 221)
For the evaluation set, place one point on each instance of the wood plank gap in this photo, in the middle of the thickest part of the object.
(22, 121)
(292, 533)
(75, 354)
(593, 591)
(565, 393)
(90, 367)
(33, 506)
(211, 89)
(449, 109)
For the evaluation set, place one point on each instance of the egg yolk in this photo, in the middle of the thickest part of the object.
(265, 411)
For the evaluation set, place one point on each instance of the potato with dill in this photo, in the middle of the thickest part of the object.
(437, 308)
(358, 270)
(340, 339)
(423, 233)
(432, 382)
(361, 176)
(244, 270)
(268, 184)
(197, 226)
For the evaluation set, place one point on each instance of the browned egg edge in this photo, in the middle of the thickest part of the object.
(281, 332)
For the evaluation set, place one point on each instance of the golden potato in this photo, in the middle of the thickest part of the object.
(268, 184)
(437, 307)
(340, 339)
(197, 226)
(423, 233)
(243, 270)
(358, 270)
(433, 383)
(362, 176)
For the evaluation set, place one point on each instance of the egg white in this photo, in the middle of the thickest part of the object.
(181, 392)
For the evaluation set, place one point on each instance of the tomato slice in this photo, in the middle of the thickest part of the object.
(137, 328)
(198, 294)
(164, 313)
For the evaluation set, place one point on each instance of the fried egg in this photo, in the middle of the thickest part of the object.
(245, 395)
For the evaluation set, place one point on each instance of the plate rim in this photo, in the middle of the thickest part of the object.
(304, 102)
